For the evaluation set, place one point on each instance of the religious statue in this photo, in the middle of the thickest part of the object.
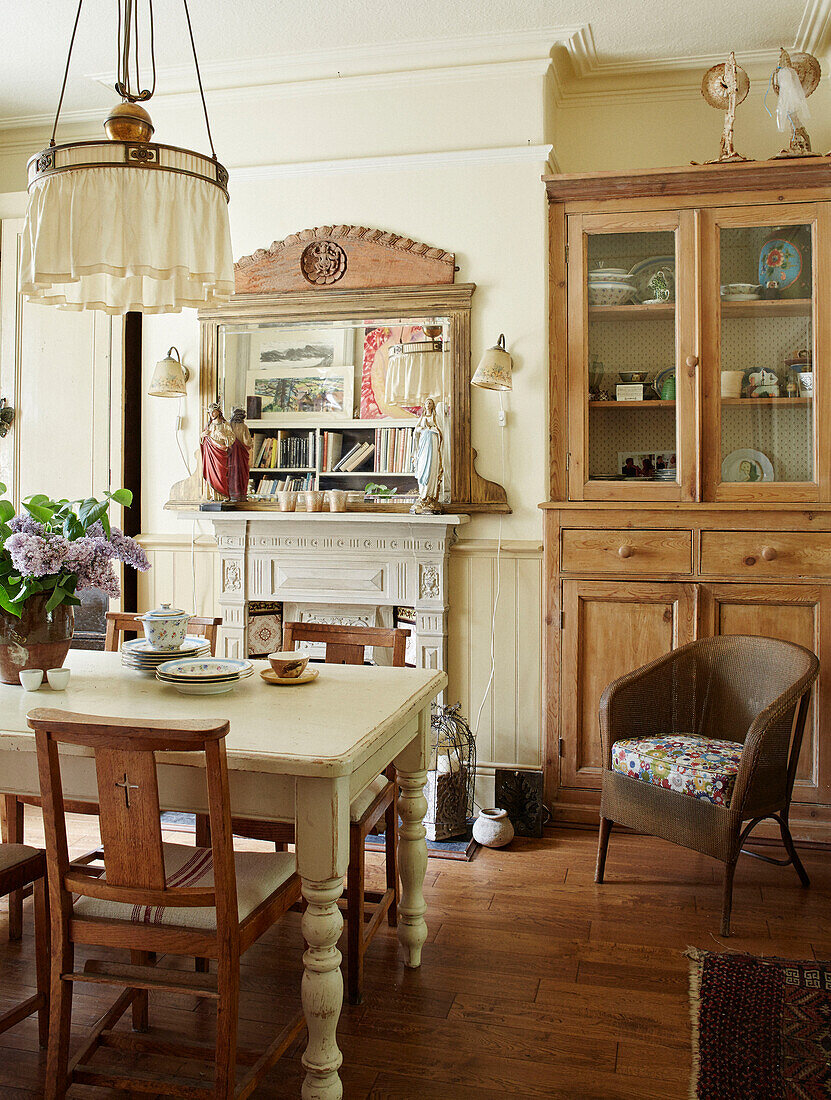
(217, 440)
(240, 456)
(427, 462)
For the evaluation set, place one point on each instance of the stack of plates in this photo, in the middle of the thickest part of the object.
(204, 675)
(139, 656)
(666, 475)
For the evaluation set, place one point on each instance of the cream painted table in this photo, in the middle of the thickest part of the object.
(294, 754)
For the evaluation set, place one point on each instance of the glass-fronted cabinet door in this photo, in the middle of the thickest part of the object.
(632, 347)
(762, 352)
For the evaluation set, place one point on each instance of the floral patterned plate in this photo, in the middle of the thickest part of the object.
(201, 668)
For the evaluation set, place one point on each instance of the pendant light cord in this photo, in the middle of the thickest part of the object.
(66, 71)
(129, 38)
(199, 79)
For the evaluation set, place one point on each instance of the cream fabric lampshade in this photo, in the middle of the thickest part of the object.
(494, 370)
(415, 371)
(118, 237)
(169, 377)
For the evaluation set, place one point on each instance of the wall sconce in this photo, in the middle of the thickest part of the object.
(495, 367)
(169, 377)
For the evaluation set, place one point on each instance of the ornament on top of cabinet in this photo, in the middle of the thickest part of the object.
(724, 87)
(794, 79)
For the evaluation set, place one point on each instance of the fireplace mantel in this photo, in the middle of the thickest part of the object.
(345, 558)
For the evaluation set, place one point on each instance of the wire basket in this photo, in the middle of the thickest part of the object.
(452, 774)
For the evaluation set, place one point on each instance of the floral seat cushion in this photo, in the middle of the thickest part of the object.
(698, 766)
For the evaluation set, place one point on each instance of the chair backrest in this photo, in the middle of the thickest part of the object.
(722, 684)
(120, 621)
(345, 644)
(128, 797)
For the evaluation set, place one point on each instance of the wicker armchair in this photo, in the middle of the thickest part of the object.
(720, 720)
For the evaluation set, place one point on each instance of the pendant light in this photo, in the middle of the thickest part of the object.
(124, 223)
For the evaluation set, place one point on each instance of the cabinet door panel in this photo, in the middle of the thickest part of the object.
(611, 629)
(631, 320)
(795, 613)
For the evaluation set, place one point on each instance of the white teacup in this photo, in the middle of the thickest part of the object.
(31, 678)
(58, 678)
(731, 383)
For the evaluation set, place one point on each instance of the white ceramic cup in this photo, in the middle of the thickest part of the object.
(287, 500)
(58, 678)
(31, 678)
(314, 500)
(337, 500)
(731, 383)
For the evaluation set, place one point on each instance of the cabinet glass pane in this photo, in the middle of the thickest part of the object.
(632, 424)
(766, 341)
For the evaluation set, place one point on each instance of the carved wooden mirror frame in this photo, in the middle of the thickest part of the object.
(337, 273)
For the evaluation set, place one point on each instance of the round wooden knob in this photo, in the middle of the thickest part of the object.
(625, 552)
(769, 553)
(692, 360)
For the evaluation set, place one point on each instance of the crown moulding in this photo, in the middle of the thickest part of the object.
(342, 257)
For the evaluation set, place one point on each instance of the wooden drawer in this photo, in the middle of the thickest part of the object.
(627, 551)
(766, 553)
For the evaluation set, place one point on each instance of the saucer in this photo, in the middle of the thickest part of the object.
(271, 677)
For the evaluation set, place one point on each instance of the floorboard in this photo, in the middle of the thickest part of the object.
(535, 983)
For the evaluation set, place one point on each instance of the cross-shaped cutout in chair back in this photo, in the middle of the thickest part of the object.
(128, 797)
(345, 645)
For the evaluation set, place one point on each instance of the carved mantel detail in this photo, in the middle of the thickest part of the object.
(347, 560)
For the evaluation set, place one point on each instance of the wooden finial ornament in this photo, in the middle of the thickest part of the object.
(725, 87)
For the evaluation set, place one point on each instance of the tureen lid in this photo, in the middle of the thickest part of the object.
(165, 612)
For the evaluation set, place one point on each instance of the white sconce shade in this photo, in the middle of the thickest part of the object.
(169, 377)
(495, 368)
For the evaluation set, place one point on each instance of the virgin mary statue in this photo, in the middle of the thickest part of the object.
(427, 462)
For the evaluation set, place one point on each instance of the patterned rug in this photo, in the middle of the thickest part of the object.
(761, 1028)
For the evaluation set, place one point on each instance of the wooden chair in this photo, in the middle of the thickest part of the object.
(117, 623)
(345, 645)
(703, 744)
(153, 898)
(20, 867)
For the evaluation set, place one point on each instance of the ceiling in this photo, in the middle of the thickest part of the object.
(264, 41)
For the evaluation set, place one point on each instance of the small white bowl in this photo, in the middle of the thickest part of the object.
(58, 678)
(31, 678)
(610, 294)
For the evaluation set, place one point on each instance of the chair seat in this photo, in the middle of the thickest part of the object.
(365, 799)
(702, 767)
(259, 874)
(13, 854)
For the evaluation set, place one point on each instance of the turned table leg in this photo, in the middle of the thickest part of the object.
(411, 767)
(322, 859)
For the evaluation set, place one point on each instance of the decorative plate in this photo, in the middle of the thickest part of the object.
(206, 668)
(661, 377)
(173, 678)
(745, 465)
(780, 262)
(202, 688)
(271, 677)
(642, 272)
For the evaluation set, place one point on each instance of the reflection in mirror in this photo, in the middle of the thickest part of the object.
(335, 404)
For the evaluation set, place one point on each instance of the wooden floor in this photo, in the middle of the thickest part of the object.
(535, 982)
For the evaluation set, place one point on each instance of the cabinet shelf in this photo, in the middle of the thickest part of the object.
(778, 307)
(766, 401)
(632, 404)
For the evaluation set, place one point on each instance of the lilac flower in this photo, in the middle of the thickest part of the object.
(26, 525)
(128, 550)
(36, 556)
(90, 559)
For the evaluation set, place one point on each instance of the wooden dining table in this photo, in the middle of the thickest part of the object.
(300, 753)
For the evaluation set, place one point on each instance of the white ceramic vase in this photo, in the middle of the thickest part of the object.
(492, 829)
